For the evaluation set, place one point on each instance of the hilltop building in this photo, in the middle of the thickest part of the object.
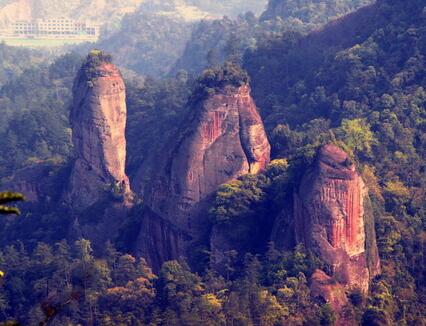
(56, 27)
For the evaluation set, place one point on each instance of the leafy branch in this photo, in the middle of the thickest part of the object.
(7, 198)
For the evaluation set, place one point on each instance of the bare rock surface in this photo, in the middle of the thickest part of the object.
(98, 120)
(333, 218)
(222, 139)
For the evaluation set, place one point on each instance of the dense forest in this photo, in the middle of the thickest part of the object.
(150, 40)
(35, 109)
(16, 60)
(357, 82)
(213, 42)
(311, 13)
(160, 38)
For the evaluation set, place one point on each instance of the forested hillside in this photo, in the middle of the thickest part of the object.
(311, 13)
(153, 38)
(150, 40)
(107, 13)
(214, 41)
(361, 81)
(230, 7)
(15, 61)
(357, 83)
(35, 108)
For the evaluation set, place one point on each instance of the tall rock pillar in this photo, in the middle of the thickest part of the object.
(333, 218)
(222, 139)
(98, 120)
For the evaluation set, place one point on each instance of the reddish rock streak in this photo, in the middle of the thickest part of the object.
(330, 219)
(98, 120)
(223, 140)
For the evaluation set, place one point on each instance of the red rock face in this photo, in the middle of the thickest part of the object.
(98, 120)
(159, 240)
(332, 291)
(223, 139)
(330, 218)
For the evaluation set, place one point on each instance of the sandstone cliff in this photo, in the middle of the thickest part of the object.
(333, 218)
(98, 120)
(222, 139)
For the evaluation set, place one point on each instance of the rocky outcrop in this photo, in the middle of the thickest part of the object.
(98, 120)
(222, 139)
(333, 218)
(328, 288)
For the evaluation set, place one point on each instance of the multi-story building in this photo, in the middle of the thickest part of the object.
(60, 27)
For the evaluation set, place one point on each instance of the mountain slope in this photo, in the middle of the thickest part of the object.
(230, 7)
(311, 12)
(102, 11)
(212, 41)
(359, 82)
(150, 40)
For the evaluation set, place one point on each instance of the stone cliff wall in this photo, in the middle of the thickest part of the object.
(331, 219)
(222, 139)
(98, 120)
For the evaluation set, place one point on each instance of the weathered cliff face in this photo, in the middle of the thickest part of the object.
(159, 240)
(222, 139)
(98, 119)
(333, 218)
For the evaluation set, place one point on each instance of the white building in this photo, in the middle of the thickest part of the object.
(58, 27)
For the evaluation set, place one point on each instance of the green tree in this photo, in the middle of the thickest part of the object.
(357, 136)
(125, 270)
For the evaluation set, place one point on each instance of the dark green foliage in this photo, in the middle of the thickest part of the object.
(148, 42)
(311, 13)
(366, 82)
(243, 210)
(215, 79)
(228, 38)
(327, 316)
(16, 60)
(155, 110)
(214, 42)
(63, 283)
(93, 60)
(34, 115)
